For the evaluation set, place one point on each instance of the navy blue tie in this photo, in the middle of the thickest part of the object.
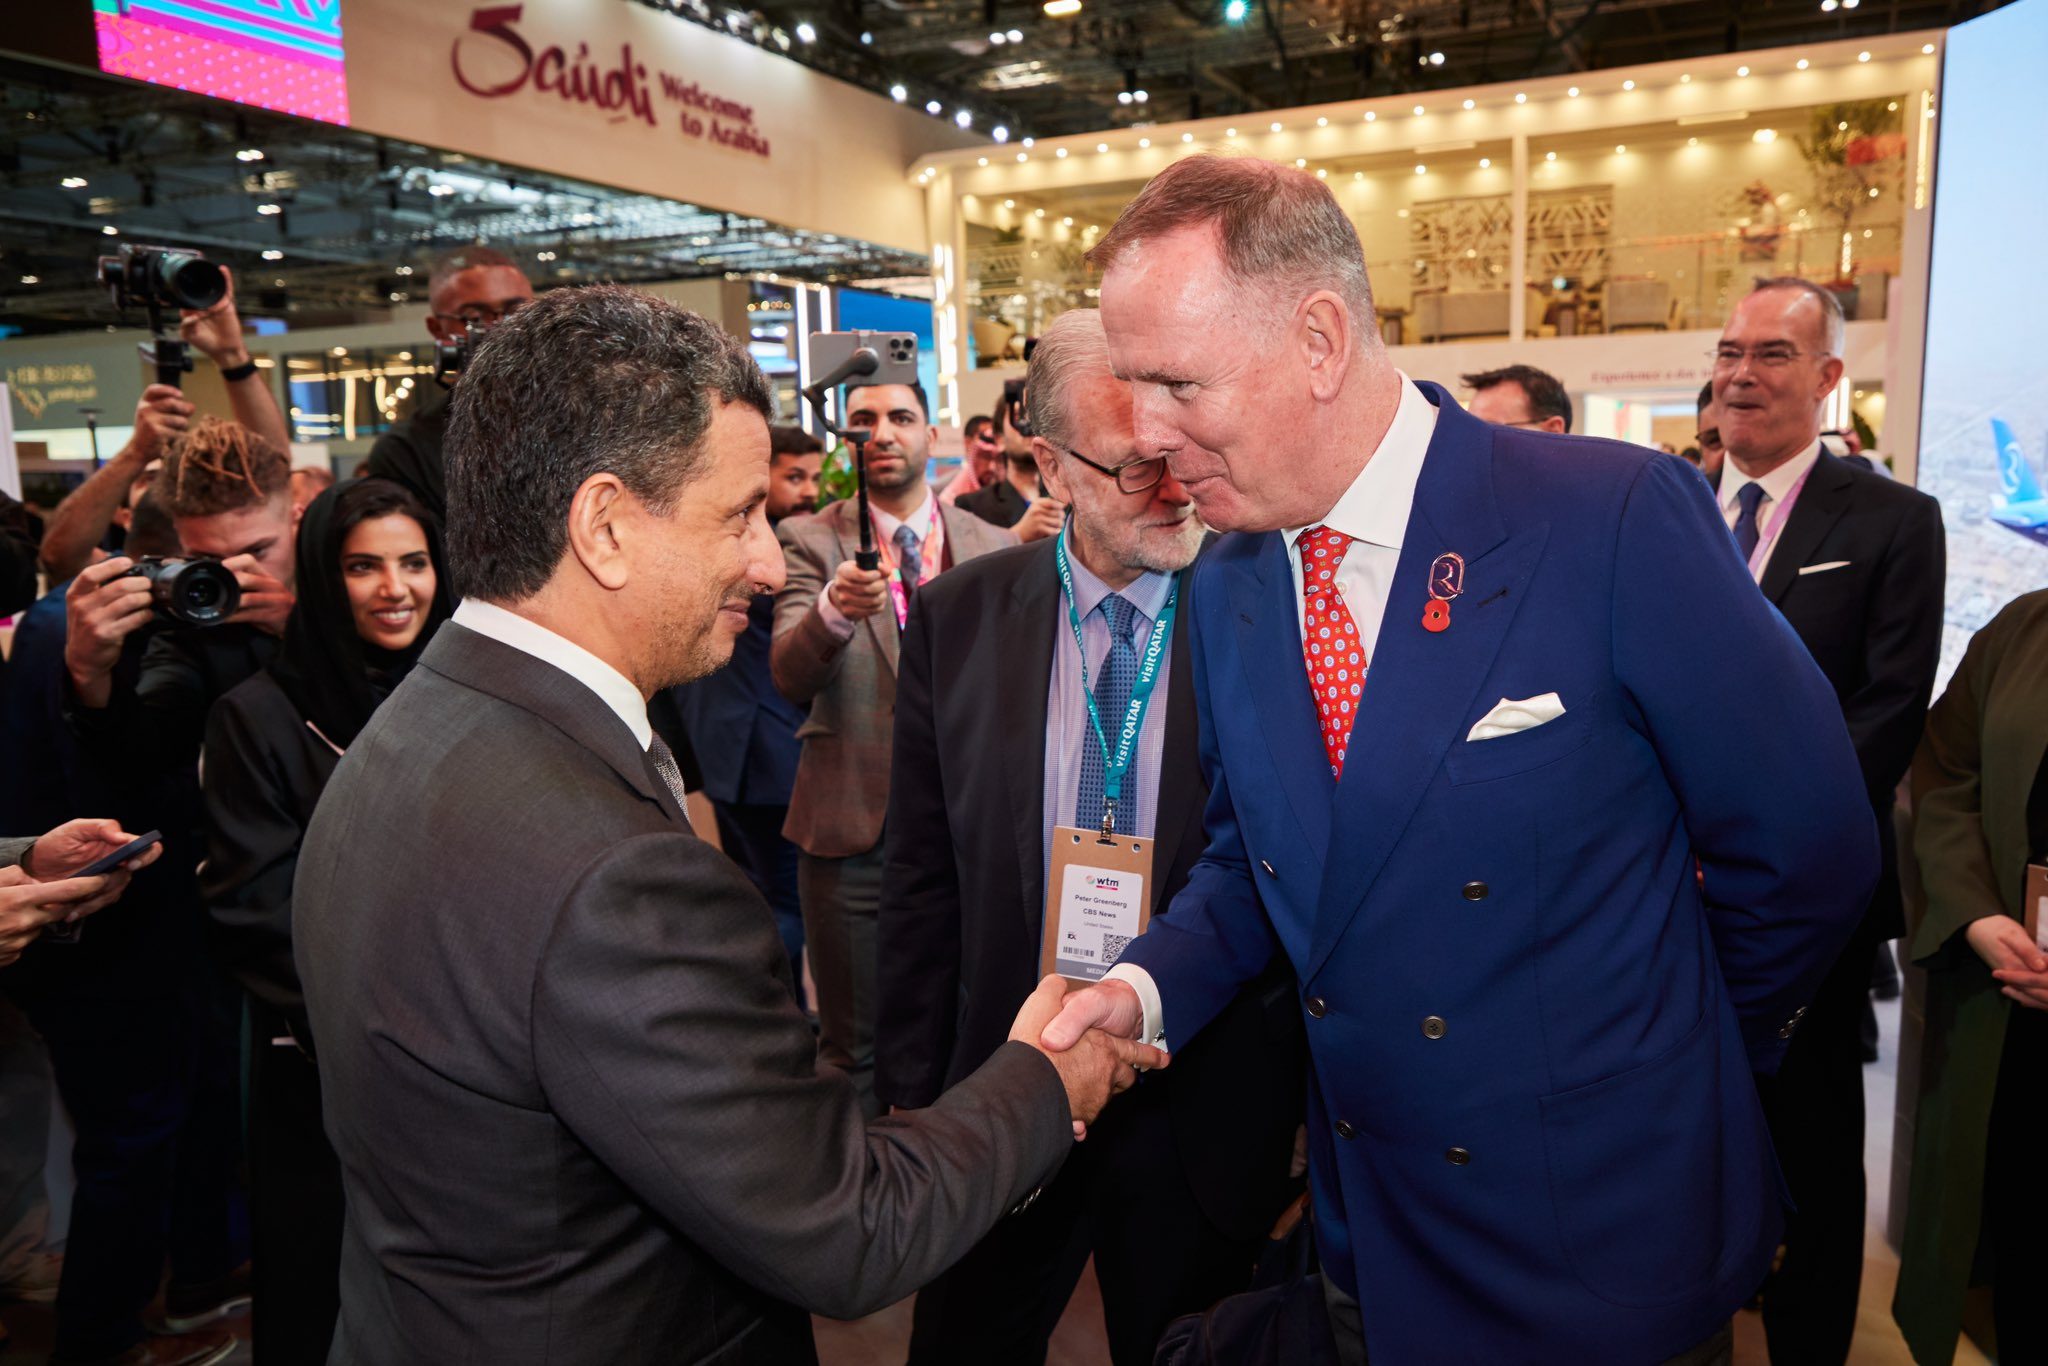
(1112, 699)
(1747, 498)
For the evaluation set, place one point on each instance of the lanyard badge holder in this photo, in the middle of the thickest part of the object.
(1098, 883)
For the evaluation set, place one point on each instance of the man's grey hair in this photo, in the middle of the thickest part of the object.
(1834, 330)
(1072, 348)
(1278, 227)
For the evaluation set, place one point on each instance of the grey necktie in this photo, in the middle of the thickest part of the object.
(671, 774)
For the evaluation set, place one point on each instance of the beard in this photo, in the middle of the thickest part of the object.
(1164, 552)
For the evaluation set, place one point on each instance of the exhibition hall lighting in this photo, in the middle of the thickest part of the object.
(1863, 56)
(963, 119)
(999, 133)
(898, 93)
(1802, 64)
(1235, 11)
(998, 39)
(73, 182)
(249, 154)
(1015, 35)
(806, 34)
(933, 107)
(1061, 9)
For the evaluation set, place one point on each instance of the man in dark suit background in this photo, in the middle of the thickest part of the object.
(1177, 1187)
(577, 1111)
(743, 732)
(1855, 562)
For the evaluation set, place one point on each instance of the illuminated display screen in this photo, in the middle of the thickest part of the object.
(276, 54)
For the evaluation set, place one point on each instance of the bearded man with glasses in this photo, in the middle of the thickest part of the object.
(1177, 1185)
(1855, 562)
(469, 292)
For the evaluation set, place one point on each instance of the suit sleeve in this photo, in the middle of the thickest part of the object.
(1956, 872)
(1902, 649)
(155, 726)
(13, 851)
(805, 655)
(1215, 936)
(918, 932)
(664, 1040)
(252, 853)
(1751, 737)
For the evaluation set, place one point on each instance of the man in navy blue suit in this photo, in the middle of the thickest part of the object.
(1555, 818)
(743, 732)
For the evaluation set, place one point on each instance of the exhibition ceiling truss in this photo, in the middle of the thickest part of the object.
(1119, 63)
(323, 224)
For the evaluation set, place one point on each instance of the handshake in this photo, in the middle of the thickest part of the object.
(1079, 1035)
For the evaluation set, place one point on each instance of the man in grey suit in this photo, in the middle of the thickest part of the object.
(838, 631)
(578, 1113)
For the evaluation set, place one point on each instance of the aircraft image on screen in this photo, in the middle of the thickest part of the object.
(2020, 506)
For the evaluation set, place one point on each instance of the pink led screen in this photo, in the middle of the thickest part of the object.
(276, 54)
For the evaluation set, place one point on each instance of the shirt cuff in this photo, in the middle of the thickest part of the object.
(1153, 1030)
(836, 621)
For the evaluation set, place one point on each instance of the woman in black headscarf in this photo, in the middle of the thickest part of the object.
(372, 590)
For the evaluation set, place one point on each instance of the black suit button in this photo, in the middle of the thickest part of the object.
(1344, 1130)
(1476, 891)
(1434, 1027)
(1458, 1157)
(1316, 1007)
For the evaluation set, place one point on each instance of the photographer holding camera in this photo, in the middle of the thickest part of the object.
(80, 522)
(227, 490)
(469, 292)
(1015, 498)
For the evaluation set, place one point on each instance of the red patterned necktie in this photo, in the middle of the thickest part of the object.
(1330, 645)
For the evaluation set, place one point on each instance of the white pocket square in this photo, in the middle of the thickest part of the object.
(1823, 568)
(1509, 716)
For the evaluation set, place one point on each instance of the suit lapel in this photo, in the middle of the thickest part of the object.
(1023, 673)
(1420, 684)
(1821, 504)
(1263, 605)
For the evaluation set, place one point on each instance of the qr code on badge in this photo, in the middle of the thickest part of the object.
(1113, 947)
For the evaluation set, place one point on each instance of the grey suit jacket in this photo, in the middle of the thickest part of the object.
(842, 779)
(14, 851)
(578, 1114)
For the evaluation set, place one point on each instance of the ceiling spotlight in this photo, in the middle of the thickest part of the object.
(1863, 56)
(1927, 49)
(273, 255)
(73, 182)
(1123, 97)
(1485, 163)
(1742, 71)
(1144, 142)
(1573, 92)
(806, 34)
(1436, 59)
(249, 154)
(867, 39)
(1234, 11)
(1015, 35)
(1685, 80)
(1322, 174)
(963, 119)
(981, 161)
(1023, 156)
(31, 279)
(110, 231)
(272, 210)
(1028, 142)
(1102, 147)
(1521, 99)
(1550, 156)
(1418, 111)
(1628, 85)
(1764, 135)
(898, 93)
(1829, 6)
(1187, 137)
(1140, 96)
(1061, 9)
(1802, 64)
(1066, 222)
(1421, 170)
(1000, 133)
(1322, 123)
(998, 39)
(403, 270)
(1061, 154)
(1620, 149)
(1371, 115)
(1009, 203)
(1038, 213)
(1301, 163)
(1276, 127)
(1230, 132)
(1469, 104)
(933, 106)
(1850, 4)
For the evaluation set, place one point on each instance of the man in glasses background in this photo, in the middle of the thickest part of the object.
(469, 292)
(1854, 561)
(1178, 1183)
(1520, 396)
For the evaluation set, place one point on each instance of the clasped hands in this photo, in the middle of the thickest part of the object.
(1090, 1037)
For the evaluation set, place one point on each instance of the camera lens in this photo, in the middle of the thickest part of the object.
(191, 281)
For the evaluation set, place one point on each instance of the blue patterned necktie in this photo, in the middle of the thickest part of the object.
(1747, 498)
(1112, 699)
(909, 556)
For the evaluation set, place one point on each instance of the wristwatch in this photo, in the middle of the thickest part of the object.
(235, 374)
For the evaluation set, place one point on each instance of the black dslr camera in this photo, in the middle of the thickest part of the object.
(159, 280)
(451, 358)
(162, 277)
(200, 591)
(1013, 407)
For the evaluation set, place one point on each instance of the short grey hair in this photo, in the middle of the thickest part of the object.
(1073, 346)
(1276, 224)
(1834, 330)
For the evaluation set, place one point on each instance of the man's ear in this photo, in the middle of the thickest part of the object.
(597, 515)
(1050, 470)
(1324, 332)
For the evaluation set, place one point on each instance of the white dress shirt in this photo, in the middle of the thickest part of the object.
(921, 522)
(1776, 485)
(613, 688)
(1373, 512)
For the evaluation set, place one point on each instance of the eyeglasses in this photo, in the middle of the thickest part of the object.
(480, 316)
(1133, 476)
(1769, 356)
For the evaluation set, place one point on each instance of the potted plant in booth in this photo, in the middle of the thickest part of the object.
(1854, 150)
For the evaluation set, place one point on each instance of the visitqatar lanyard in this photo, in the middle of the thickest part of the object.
(931, 550)
(1116, 763)
(1776, 524)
